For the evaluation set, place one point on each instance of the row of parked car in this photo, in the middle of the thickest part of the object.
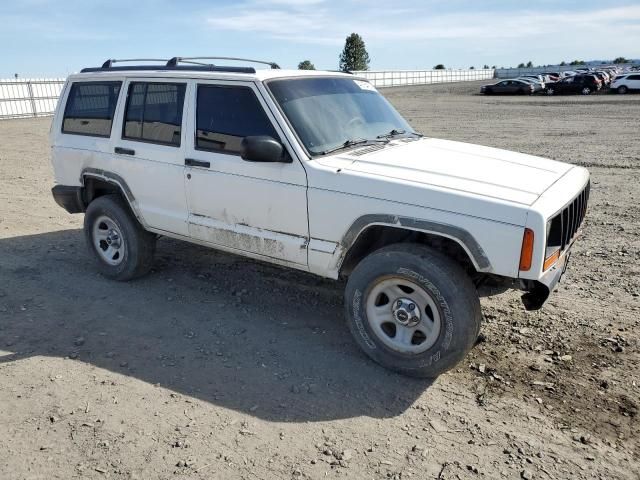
(583, 81)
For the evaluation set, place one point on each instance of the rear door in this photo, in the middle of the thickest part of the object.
(251, 207)
(148, 150)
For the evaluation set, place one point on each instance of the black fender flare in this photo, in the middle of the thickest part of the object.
(453, 232)
(119, 182)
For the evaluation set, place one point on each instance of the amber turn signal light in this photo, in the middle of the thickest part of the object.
(549, 261)
(526, 254)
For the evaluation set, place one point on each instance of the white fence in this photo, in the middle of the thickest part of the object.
(29, 97)
(36, 97)
(397, 78)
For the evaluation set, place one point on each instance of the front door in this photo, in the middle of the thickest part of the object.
(250, 207)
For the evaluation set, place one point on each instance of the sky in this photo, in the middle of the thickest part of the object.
(51, 38)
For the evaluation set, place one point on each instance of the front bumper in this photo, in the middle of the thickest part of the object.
(538, 291)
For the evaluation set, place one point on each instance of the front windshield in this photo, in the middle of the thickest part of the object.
(330, 112)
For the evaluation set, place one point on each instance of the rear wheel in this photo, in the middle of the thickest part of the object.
(622, 89)
(412, 309)
(586, 91)
(551, 91)
(121, 248)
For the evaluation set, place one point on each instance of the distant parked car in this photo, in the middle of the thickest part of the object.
(626, 83)
(584, 84)
(603, 76)
(538, 86)
(513, 86)
(553, 76)
(536, 79)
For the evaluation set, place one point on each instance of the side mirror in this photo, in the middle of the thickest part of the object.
(263, 148)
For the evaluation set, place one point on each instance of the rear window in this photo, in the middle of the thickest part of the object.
(90, 108)
(154, 113)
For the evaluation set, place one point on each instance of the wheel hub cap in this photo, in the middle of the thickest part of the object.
(403, 315)
(406, 313)
(108, 241)
(113, 239)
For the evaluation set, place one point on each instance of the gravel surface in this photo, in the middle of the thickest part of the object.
(215, 366)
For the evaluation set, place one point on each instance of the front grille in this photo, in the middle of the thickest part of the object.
(566, 223)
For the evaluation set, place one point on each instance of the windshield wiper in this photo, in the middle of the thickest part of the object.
(351, 143)
(396, 131)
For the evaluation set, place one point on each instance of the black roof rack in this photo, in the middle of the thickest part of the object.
(189, 63)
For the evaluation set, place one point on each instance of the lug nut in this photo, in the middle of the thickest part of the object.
(412, 307)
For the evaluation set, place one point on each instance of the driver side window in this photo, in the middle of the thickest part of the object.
(227, 114)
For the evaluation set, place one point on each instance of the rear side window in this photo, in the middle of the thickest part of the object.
(633, 77)
(90, 108)
(154, 113)
(225, 115)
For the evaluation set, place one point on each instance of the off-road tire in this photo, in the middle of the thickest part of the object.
(440, 277)
(139, 244)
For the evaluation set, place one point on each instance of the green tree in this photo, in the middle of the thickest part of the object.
(354, 56)
(439, 67)
(306, 65)
(620, 60)
(486, 67)
(521, 65)
(577, 62)
(529, 64)
(563, 63)
(472, 67)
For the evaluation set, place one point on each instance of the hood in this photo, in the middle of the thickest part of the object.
(471, 169)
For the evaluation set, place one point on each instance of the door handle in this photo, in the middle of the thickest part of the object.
(124, 151)
(190, 162)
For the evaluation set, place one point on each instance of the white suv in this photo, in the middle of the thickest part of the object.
(314, 171)
(626, 83)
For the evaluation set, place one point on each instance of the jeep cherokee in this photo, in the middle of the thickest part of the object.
(314, 171)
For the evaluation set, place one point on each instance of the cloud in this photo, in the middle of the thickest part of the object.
(317, 21)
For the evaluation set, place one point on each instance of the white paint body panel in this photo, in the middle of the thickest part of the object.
(298, 214)
(256, 207)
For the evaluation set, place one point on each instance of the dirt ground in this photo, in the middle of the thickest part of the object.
(218, 367)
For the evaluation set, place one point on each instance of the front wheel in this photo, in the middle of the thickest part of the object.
(550, 91)
(412, 309)
(586, 91)
(121, 248)
(622, 89)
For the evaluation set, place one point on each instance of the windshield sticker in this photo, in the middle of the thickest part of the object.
(365, 85)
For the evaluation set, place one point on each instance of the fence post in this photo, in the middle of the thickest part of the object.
(31, 99)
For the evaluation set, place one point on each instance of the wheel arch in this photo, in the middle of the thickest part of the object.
(372, 232)
(96, 183)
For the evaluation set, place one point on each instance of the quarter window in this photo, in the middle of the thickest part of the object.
(154, 113)
(225, 115)
(90, 108)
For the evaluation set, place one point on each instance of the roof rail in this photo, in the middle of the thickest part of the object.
(109, 63)
(171, 64)
(176, 60)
